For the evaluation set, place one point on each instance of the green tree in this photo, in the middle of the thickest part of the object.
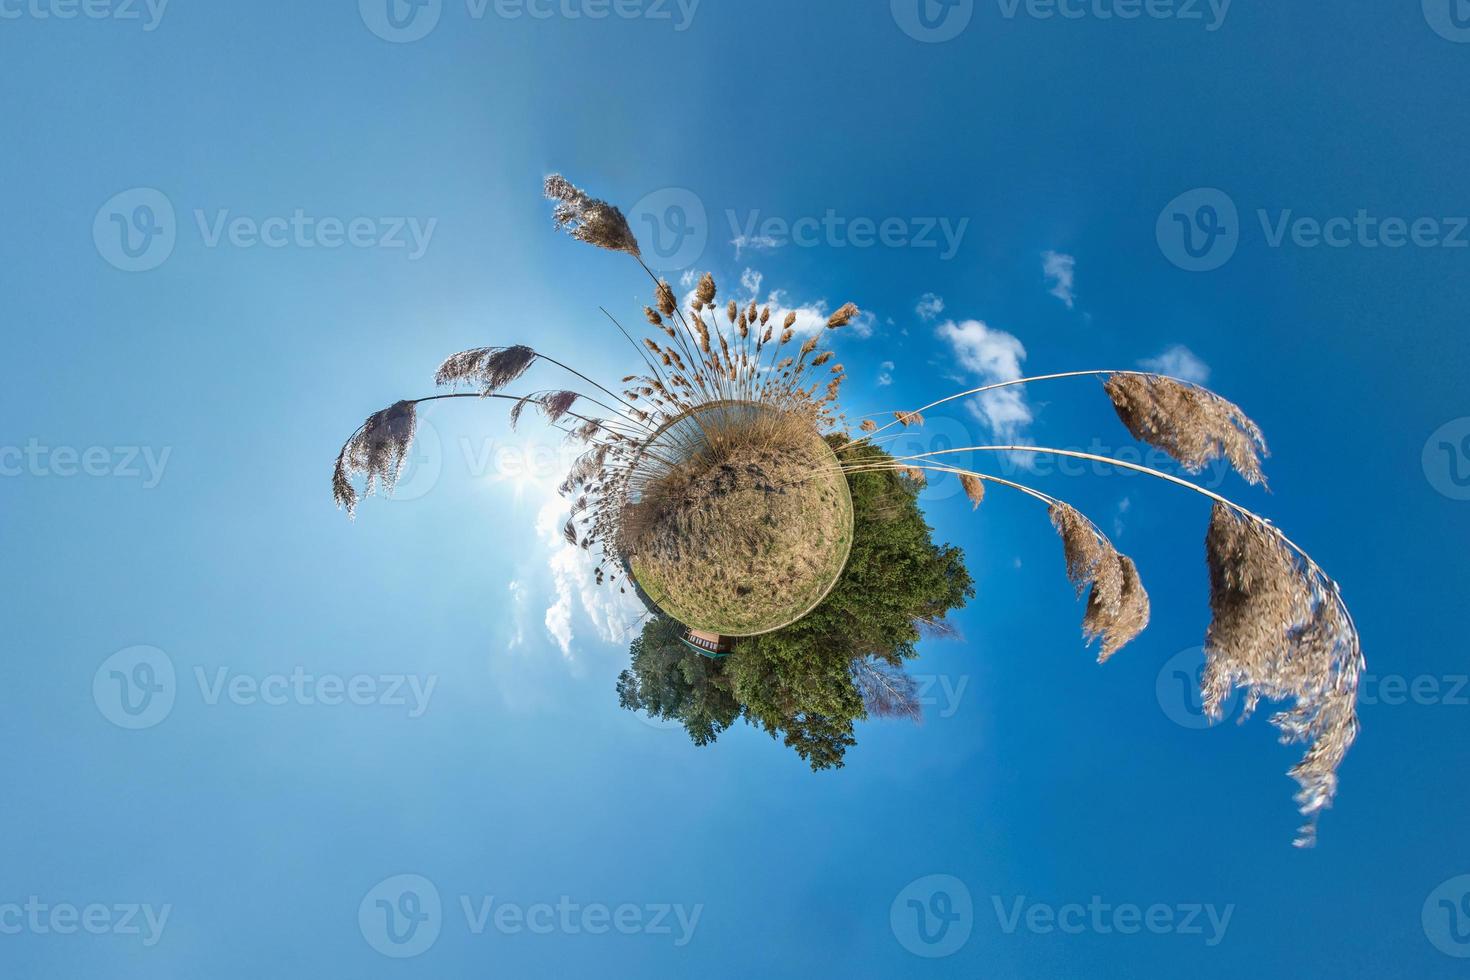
(669, 681)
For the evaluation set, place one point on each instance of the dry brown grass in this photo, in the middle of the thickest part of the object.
(739, 537)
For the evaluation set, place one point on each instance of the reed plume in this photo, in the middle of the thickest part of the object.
(1280, 631)
(557, 404)
(974, 489)
(704, 293)
(1190, 423)
(588, 219)
(1080, 544)
(843, 316)
(1117, 605)
(516, 409)
(491, 367)
(377, 450)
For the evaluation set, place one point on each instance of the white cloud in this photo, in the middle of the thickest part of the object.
(862, 325)
(930, 306)
(575, 587)
(1179, 362)
(885, 374)
(810, 317)
(756, 243)
(991, 355)
(1060, 270)
(1123, 506)
(517, 608)
(750, 281)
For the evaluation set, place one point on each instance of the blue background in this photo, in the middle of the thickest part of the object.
(1051, 778)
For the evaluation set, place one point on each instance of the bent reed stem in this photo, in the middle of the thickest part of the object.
(1021, 381)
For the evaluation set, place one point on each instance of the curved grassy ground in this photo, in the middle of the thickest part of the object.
(749, 540)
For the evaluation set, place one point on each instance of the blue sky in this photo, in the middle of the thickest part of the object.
(233, 231)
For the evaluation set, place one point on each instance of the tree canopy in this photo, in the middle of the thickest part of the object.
(810, 683)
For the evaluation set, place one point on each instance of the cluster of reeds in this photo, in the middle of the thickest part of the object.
(694, 359)
(1280, 628)
(715, 376)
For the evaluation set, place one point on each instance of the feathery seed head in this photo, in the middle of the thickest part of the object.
(557, 403)
(705, 291)
(1280, 631)
(588, 219)
(377, 450)
(1080, 544)
(842, 317)
(492, 367)
(974, 489)
(1191, 424)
